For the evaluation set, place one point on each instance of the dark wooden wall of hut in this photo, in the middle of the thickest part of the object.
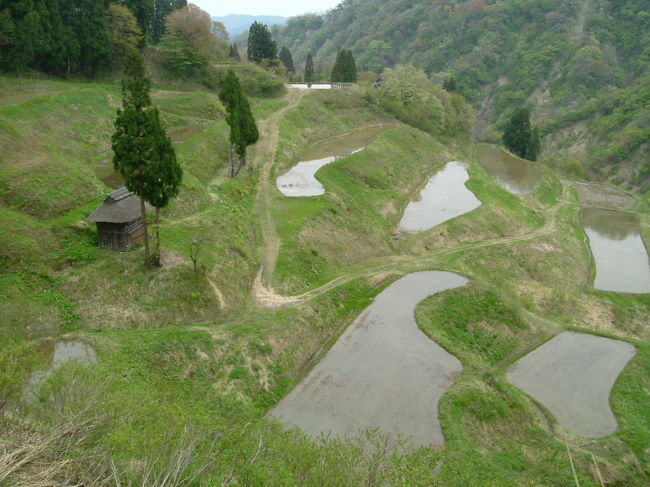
(120, 236)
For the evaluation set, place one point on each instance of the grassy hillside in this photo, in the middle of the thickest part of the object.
(189, 363)
(580, 65)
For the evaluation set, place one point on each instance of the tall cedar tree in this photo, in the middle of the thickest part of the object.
(143, 153)
(344, 70)
(309, 69)
(519, 137)
(234, 52)
(260, 44)
(243, 130)
(287, 59)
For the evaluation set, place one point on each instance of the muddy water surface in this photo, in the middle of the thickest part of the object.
(573, 375)
(618, 249)
(300, 180)
(516, 175)
(383, 372)
(444, 197)
(108, 175)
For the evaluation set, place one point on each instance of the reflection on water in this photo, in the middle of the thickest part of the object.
(618, 249)
(108, 175)
(514, 174)
(444, 197)
(300, 180)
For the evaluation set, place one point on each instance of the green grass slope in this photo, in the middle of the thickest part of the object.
(189, 364)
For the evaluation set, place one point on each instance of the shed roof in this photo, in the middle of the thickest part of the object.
(121, 206)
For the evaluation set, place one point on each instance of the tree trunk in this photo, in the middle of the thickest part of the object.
(156, 254)
(147, 257)
(232, 161)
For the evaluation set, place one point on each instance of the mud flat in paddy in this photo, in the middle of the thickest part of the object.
(573, 375)
(444, 197)
(619, 252)
(64, 352)
(603, 195)
(383, 372)
(301, 180)
(516, 175)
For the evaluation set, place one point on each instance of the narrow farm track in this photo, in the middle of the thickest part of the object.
(263, 291)
(264, 157)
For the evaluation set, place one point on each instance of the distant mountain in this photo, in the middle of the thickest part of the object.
(236, 24)
(581, 66)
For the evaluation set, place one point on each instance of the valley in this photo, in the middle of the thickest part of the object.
(192, 366)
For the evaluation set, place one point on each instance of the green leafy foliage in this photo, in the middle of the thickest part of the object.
(408, 94)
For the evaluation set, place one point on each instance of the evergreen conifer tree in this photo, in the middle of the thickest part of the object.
(287, 59)
(260, 44)
(336, 76)
(309, 69)
(344, 70)
(243, 130)
(519, 137)
(233, 52)
(351, 68)
(143, 154)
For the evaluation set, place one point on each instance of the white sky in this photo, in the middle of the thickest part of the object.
(285, 8)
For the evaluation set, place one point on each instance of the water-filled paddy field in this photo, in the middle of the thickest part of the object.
(383, 372)
(516, 175)
(572, 375)
(444, 197)
(619, 252)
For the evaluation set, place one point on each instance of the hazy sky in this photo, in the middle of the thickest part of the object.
(285, 8)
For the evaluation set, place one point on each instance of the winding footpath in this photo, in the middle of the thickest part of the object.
(263, 291)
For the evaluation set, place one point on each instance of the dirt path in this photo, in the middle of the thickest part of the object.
(400, 264)
(264, 157)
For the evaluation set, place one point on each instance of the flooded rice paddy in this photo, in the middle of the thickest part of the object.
(444, 197)
(383, 372)
(300, 180)
(572, 375)
(619, 252)
(516, 175)
(312, 86)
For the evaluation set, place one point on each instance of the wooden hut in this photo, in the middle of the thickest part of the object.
(119, 220)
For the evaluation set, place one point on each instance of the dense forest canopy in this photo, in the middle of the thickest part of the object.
(62, 37)
(566, 60)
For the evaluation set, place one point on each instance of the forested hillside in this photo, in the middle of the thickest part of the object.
(53, 37)
(581, 66)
